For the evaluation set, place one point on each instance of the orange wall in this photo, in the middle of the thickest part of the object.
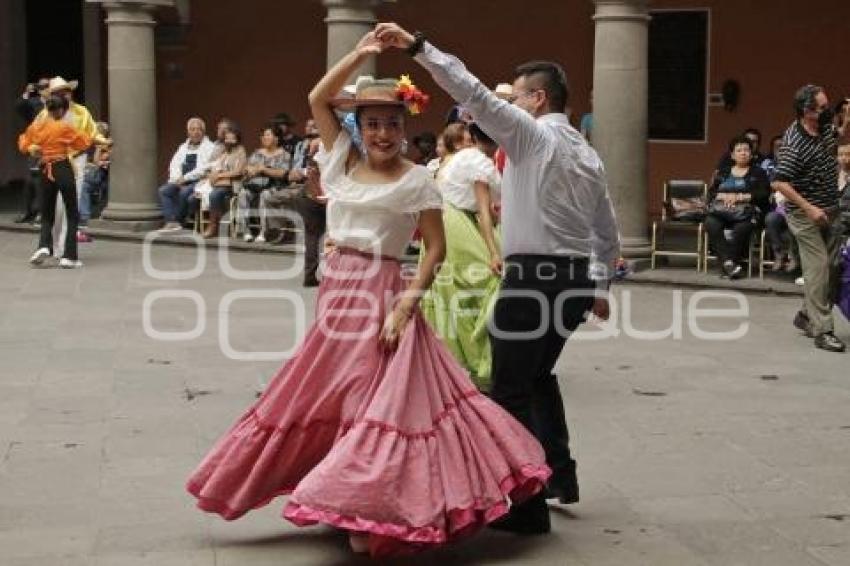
(252, 63)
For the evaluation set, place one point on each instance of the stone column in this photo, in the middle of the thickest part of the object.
(92, 61)
(620, 113)
(133, 179)
(348, 21)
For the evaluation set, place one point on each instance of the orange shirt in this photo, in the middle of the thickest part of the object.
(56, 139)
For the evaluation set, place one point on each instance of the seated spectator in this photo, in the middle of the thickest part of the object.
(298, 167)
(844, 185)
(425, 145)
(275, 227)
(217, 187)
(753, 136)
(778, 235)
(96, 178)
(736, 200)
(188, 165)
(440, 151)
(266, 170)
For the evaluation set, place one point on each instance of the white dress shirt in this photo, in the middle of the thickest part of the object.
(204, 151)
(554, 194)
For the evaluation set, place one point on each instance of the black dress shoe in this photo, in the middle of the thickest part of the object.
(529, 518)
(311, 282)
(563, 487)
(827, 341)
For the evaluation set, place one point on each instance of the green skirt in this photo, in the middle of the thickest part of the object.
(460, 301)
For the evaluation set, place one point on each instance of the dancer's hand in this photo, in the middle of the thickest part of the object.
(34, 150)
(393, 35)
(394, 327)
(369, 45)
(601, 309)
(496, 265)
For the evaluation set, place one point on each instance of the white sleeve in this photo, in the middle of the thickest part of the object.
(332, 163)
(423, 195)
(174, 168)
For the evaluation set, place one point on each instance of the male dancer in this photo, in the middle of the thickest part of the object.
(556, 216)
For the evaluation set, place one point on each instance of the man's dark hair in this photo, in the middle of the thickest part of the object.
(283, 118)
(804, 99)
(554, 81)
(55, 102)
(478, 135)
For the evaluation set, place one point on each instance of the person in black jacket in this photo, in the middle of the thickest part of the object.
(28, 107)
(737, 200)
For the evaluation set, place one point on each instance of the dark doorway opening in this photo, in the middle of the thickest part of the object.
(55, 41)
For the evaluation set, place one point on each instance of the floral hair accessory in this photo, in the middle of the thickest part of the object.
(414, 99)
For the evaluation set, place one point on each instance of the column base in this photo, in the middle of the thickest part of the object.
(129, 218)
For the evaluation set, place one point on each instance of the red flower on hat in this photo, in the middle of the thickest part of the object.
(414, 99)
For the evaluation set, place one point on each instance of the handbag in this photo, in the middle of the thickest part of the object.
(687, 209)
(741, 212)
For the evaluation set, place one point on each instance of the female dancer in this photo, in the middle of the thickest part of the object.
(372, 426)
(460, 302)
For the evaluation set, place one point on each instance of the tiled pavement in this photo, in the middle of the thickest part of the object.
(691, 452)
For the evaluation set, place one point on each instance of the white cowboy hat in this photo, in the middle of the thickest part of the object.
(58, 83)
(504, 90)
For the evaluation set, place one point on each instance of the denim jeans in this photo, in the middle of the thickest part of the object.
(174, 200)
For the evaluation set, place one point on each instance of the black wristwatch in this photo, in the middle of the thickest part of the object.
(416, 46)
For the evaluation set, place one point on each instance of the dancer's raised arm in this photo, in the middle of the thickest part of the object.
(334, 80)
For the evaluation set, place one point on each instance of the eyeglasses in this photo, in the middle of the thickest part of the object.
(375, 125)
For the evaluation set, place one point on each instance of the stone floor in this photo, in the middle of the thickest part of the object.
(691, 451)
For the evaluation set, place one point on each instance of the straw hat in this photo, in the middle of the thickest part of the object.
(58, 83)
(369, 91)
(504, 90)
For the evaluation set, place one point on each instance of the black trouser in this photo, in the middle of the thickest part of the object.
(64, 184)
(736, 250)
(315, 224)
(32, 194)
(523, 381)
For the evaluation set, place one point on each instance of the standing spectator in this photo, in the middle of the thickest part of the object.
(807, 175)
(844, 185)
(96, 179)
(217, 188)
(28, 107)
(312, 205)
(188, 165)
(736, 199)
(266, 169)
(286, 124)
(52, 140)
(298, 167)
(586, 123)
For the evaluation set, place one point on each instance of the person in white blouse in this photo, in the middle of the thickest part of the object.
(556, 217)
(461, 300)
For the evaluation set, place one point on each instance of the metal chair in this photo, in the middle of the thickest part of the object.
(676, 189)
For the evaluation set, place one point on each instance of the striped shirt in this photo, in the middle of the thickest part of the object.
(810, 165)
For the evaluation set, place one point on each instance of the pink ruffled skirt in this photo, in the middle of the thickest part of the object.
(398, 446)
